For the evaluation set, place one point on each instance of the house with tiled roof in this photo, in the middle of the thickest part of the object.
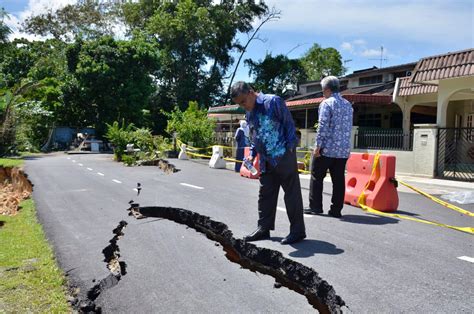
(443, 86)
(422, 112)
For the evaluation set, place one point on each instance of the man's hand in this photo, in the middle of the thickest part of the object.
(316, 152)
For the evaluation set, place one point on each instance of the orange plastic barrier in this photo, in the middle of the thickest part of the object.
(381, 193)
(244, 172)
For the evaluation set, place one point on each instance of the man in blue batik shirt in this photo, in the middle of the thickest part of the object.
(332, 148)
(273, 135)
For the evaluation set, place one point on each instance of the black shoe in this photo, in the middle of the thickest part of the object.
(259, 234)
(334, 214)
(293, 238)
(311, 211)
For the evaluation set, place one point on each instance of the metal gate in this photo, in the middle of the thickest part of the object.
(455, 159)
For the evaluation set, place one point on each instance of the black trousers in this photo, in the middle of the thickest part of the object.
(285, 174)
(319, 169)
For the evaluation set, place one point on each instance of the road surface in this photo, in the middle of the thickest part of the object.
(375, 264)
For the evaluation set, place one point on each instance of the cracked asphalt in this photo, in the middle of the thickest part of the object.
(375, 264)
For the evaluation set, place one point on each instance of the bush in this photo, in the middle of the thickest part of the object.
(129, 160)
(119, 136)
(150, 146)
(192, 125)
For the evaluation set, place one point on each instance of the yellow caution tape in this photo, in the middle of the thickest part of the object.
(198, 155)
(199, 148)
(190, 149)
(362, 196)
(233, 160)
(362, 199)
(209, 157)
(437, 200)
(304, 171)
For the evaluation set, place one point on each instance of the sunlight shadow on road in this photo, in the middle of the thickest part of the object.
(310, 247)
(368, 220)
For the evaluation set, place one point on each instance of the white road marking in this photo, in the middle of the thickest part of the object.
(90, 169)
(73, 160)
(467, 258)
(79, 190)
(282, 209)
(100, 174)
(69, 158)
(81, 165)
(192, 186)
(117, 181)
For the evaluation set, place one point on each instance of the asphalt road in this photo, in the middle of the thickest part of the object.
(376, 264)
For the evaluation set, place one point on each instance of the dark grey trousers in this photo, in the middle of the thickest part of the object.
(285, 174)
(336, 167)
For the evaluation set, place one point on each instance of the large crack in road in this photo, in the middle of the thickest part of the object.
(291, 274)
(163, 164)
(116, 267)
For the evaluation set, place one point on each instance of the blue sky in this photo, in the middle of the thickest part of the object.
(408, 30)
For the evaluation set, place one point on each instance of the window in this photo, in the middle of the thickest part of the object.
(373, 120)
(470, 126)
(370, 80)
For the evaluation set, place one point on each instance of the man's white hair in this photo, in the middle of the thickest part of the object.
(330, 82)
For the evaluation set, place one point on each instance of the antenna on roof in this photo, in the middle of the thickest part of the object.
(381, 59)
(346, 61)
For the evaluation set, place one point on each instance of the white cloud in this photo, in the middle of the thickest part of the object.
(358, 47)
(347, 46)
(371, 53)
(427, 21)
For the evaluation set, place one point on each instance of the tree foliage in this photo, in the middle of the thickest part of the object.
(86, 19)
(109, 81)
(319, 62)
(192, 125)
(89, 75)
(5, 31)
(277, 75)
(196, 38)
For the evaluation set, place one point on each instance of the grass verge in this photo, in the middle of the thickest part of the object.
(30, 280)
(9, 162)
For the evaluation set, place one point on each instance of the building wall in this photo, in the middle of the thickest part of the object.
(421, 160)
(404, 160)
(460, 108)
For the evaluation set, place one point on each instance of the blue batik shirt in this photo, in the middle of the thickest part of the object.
(272, 129)
(335, 127)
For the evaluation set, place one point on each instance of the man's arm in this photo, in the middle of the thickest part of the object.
(253, 151)
(323, 127)
(288, 124)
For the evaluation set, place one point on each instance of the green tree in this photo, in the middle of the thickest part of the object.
(5, 31)
(16, 114)
(277, 75)
(319, 62)
(195, 38)
(87, 19)
(192, 125)
(110, 81)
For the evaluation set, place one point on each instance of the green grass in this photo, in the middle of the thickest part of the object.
(9, 162)
(30, 280)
